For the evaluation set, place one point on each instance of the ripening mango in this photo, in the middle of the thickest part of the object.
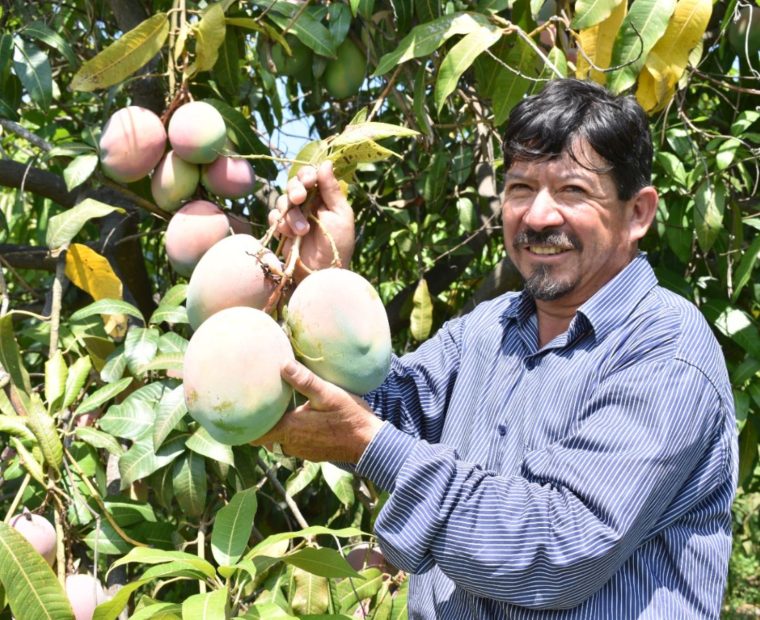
(338, 328)
(231, 375)
(228, 177)
(236, 271)
(173, 181)
(197, 132)
(85, 593)
(132, 143)
(192, 230)
(39, 532)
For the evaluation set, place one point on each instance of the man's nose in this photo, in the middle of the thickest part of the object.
(543, 212)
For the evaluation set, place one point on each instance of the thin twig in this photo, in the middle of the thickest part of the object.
(269, 472)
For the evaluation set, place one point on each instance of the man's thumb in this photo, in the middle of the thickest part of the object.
(304, 381)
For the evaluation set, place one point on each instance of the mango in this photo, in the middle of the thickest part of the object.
(236, 271)
(132, 143)
(345, 74)
(197, 132)
(85, 593)
(228, 177)
(339, 329)
(192, 230)
(173, 181)
(231, 375)
(39, 532)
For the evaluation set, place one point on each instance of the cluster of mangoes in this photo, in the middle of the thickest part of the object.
(192, 152)
(333, 320)
(342, 76)
(84, 591)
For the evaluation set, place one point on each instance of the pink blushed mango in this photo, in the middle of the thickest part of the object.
(228, 177)
(194, 229)
(132, 143)
(197, 132)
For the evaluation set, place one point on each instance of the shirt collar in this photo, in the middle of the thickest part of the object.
(607, 308)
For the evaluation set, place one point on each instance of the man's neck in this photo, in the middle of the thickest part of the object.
(553, 319)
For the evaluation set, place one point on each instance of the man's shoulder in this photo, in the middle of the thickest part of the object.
(677, 327)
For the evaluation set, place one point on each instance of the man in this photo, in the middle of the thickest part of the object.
(568, 451)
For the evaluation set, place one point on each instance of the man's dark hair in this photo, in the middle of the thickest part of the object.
(546, 125)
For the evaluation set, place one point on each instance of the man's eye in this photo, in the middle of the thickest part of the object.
(518, 187)
(574, 189)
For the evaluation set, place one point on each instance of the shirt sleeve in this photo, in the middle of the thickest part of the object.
(552, 535)
(415, 396)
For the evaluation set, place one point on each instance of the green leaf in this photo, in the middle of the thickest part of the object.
(62, 228)
(340, 483)
(31, 587)
(104, 539)
(351, 592)
(141, 460)
(509, 87)
(232, 527)
(746, 266)
(206, 606)
(362, 132)
(204, 444)
(99, 439)
(129, 420)
(165, 361)
(460, 58)
(172, 343)
(302, 478)
(590, 12)
(734, 324)
(189, 482)
(307, 29)
(42, 424)
(39, 31)
(424, 39)
(75, 380)
(33, 69)
(169, 314)
(157, 610)
(10, 358)
(110, 609)
(170, 410)
(15, 425)
(314, 530)
(102, 395)
(727, 153)
(107, 306)
(642, 27)
(744, 121)
(421, 320)
(209, 36)
(79, 170)
(30, 463)
(145, 555)
(309, 594)
(227, 68)
(55, 379)
(140, 347)
(324, 562)
(123, 57)
(245, 139)
(748, 441)
(709, 203)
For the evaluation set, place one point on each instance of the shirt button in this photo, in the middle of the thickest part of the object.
(530, 364)
(502, 429)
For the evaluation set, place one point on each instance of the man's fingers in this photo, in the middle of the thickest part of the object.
(319, 392)
(332, 195)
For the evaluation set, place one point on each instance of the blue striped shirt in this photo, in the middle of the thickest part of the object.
(589, 478)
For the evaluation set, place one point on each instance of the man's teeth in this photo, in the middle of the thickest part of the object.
(538, 249)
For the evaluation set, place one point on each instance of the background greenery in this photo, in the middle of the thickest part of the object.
(139, 471)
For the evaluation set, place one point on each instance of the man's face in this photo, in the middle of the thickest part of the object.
(565, 229)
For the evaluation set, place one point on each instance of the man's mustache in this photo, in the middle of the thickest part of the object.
(547, 237)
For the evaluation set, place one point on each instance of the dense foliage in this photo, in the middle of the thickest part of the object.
(93, 428)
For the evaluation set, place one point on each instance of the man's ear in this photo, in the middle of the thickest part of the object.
(642, 209)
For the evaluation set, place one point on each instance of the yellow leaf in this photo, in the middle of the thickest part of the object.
(92, 273)
(645, 93)
(597, 42)
(421, 320)
(669, 57)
